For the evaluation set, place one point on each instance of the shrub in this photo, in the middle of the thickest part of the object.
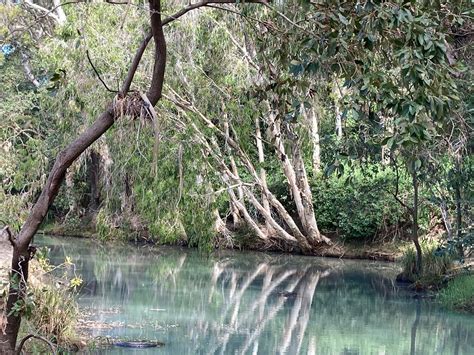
(357, 205)
(50, 308)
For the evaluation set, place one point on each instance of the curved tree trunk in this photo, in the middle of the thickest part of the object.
(22, 252)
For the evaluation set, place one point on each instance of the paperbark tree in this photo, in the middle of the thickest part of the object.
(311, 117)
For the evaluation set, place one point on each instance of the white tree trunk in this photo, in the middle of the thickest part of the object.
(312, 119)
(296, 179)
(338, 123)
(338, 94)
(60, 12)
(263, 175)
(234, 209)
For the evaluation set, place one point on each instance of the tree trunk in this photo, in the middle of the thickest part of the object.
(338, 97)
(60, 12)
(20, 260)
(312, 232)
(263, 174)
(301, 197)
(236, 218)
(458, 199)
(314, 133)
(21, 252)
(94, 181)
(419, 255)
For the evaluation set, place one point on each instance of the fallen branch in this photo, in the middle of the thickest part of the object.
(29, 336)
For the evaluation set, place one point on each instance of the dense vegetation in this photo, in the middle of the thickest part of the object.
(292, 125)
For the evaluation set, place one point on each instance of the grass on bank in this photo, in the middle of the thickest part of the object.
(434, 266)
(456, 294)
(459, 293)
(49, 308)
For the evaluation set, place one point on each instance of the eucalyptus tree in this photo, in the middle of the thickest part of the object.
(125, 103)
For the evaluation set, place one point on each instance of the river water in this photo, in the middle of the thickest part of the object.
(254, 303)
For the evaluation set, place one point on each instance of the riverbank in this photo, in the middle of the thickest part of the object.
(459, 294)
(343, 249)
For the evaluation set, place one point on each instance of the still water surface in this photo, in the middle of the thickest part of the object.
(255, 303)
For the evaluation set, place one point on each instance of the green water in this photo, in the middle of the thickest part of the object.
(255, 303)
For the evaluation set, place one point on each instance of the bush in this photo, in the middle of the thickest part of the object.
(459, 293)
(50, 308)
(357, 205)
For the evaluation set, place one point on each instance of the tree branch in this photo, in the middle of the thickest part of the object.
(136, 61)
(29, 336)
(28, 71)
(42, 9)
(97, 73)
(6, 230)
(156, 86)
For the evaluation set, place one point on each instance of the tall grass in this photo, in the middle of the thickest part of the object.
(55, 313)
(434, 266)
(459, 293)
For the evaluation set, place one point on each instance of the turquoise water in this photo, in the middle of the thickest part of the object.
(254, 303)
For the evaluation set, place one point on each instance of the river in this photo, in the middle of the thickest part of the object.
(236, 302)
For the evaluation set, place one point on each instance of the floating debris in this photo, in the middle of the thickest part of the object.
(139, 344)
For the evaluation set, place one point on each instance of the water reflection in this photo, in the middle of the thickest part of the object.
(250, 303)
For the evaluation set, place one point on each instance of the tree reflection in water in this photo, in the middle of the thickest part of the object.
(250, 303)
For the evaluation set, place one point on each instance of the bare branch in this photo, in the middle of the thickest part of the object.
(6, 230)
(29, 336)
(97, 73)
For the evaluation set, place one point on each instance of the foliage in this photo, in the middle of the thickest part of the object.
(459, 293)
(50, 306)
(384, 65)
(359, 205)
